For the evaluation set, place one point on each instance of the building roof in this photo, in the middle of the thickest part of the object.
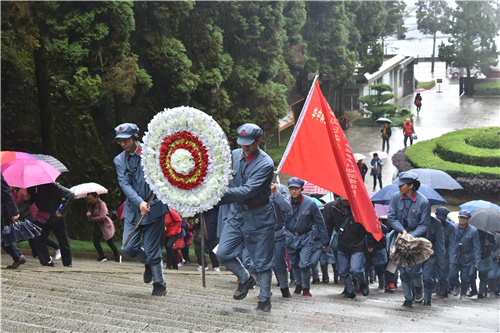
(386, 66)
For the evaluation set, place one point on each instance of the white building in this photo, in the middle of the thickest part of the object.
(396, 71)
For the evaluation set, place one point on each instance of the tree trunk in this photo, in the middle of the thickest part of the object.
(43, 88)
(341, 101)
(433, 52)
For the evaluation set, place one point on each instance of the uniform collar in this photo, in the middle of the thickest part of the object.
(301, 199)
(138, 151)
(467, 227)
(413, 197)
(251, 157)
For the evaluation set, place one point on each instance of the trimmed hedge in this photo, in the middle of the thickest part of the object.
(486, 137)
(422, 155)
(487, 88)
(453, 147)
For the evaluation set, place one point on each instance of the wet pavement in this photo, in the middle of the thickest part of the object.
(440, 113)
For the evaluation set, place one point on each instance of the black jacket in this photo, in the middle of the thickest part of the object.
(9, 207)
(48, 197)
(388, 131)
(353, 238)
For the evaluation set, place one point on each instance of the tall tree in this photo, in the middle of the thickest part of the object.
(433, 16)
(473, 29)
(394, 23)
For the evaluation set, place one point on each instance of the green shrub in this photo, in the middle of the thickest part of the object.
(486, 137)
(404, 112)
(426, 85)
(422, 155)
(487, 88)
(453, 147)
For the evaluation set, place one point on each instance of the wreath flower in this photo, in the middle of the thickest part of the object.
(186, 159)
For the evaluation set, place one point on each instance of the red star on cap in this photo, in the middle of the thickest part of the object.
(293, 179)
(121, 128)
(243, 132)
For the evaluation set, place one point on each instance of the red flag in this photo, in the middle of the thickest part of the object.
(321, 155)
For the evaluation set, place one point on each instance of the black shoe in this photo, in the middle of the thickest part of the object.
(50, 263)
(427, 303)
(408, 304)
(118, 258)
(69, 266)
(148, 275)
(365, 290)
(243, 288)
(159, 289)
(315, 281)
(349, 295)
(471, 293)
(344, 291)
(285, 292)
(103, 258)
(264, 306)
(187, 262)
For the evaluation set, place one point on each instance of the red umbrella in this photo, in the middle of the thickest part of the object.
(310, 188)
(25, 173)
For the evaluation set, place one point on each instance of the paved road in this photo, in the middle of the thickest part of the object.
(111, 297)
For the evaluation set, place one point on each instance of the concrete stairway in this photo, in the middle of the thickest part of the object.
(111, 297)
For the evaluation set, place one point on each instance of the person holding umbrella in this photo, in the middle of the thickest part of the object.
(133, 184)
(467, 253)
(376, 165)
(386, 135)
(418, 102)
(9, 209)
(97, 212)
(409, 212)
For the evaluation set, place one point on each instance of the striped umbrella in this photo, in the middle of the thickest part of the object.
(310, 188)
(52, 161)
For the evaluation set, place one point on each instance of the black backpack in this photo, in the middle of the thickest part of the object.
(112, 212)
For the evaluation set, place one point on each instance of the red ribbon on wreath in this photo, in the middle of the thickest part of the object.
(187, 141)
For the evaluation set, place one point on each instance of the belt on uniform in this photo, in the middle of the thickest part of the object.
(257, 205)
(300, 233)
(411, 229)
(462, 253)
(278, 228)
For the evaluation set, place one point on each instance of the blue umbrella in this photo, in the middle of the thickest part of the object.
(475, 204)
(437, 179)
(317, 202)
(383, 197)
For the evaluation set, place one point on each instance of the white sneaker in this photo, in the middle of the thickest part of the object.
(58, 254)
(217, 269)
(381, 291)
(199, 269)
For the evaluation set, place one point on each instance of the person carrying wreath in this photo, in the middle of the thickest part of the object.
(132, 182)
(250, 218)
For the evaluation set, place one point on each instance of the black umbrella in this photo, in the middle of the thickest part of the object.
(409, 251)
(52, 161)
(486, 219)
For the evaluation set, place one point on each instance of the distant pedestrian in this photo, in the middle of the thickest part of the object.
(363, 169)
(97, 212)
(376, 164)
(418, 102)
(408, 131)
(386, 135)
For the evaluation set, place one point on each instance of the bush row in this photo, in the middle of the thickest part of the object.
(422, 155)
(487, 88)
(453, 147)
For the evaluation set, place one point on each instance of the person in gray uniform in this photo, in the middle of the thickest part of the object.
(300, 234)
(435, 235)
(443, 271)
(466, 253)
(250, 217)
(152, 227)
(410, 212)
(281, 208)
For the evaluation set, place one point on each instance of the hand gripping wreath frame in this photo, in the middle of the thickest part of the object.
(187, 161)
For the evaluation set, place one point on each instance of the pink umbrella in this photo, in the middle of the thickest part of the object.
(310, 188)
(380, 154)
(420, 90)
(29, 172)
(381, 210)
(9, 156)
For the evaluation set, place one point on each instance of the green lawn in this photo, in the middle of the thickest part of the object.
(88, 246)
